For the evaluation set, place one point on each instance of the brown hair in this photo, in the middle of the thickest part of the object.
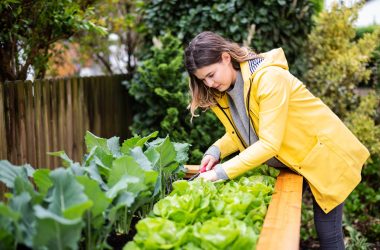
(206, 49)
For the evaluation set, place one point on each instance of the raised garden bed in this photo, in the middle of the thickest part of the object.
(281, 228)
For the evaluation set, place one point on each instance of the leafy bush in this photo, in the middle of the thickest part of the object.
(337, 64)
(160, 87)
(362, 123)
(111, 186)
(363, 203)
(261, 25)
(374, 63)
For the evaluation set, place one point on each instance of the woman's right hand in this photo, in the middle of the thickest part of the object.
(209, 161)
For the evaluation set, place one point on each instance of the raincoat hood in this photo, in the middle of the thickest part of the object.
(274, 57)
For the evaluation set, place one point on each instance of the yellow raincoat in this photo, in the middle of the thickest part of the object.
(295, 127)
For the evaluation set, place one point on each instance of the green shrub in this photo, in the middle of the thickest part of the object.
(160, 87)
(337, 63)
(374, 63)
(262, 25)
(361, 122)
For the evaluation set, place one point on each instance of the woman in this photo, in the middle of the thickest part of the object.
(270, 117)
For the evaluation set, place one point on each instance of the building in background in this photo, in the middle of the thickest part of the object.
(368, 15)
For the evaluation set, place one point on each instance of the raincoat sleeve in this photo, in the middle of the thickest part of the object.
(273, 93)
(226, 145)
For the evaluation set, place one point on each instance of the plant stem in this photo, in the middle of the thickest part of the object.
(88, 247)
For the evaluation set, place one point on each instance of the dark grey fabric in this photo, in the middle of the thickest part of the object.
(213, 151)
(328, 226)
(220, 173)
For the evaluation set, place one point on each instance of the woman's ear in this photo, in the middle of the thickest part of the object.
(226, 58)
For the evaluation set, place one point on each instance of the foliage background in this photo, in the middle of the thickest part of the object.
(29, 28)
(323, 49)
(160, 85)
(341, 60)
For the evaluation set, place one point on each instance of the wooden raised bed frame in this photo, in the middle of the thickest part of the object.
(282, 223)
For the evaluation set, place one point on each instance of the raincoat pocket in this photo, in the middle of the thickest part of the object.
(322, 156)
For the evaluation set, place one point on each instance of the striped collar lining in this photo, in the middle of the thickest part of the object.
(254, 63)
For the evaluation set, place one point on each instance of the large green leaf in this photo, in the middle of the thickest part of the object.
(114, 146)
(95, 141)
(129, 144)
(152, 155)
(165, 148)
(8, 213)
(108, 146)
(8, 218)
(124, 185)
(42, 180)
(66, 161)
(143, 140)
(127, 165)
(141, 158)
(21, 185)
(25, 226)
(56, 232)
(94, 193)
(181, 149)
(9, 172)
(104, 162)
(136, 141)
(67, 194)
(93, 172)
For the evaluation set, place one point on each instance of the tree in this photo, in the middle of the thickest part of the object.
(337, 63)
(30, 27)
(123, 19)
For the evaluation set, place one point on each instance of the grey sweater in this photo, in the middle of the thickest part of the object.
(242, 124)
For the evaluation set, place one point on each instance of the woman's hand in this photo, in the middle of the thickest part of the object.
(209, 175)
(209, 161)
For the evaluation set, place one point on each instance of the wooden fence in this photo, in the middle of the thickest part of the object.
(51, 115)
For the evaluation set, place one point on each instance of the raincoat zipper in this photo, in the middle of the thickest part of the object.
(233, 125)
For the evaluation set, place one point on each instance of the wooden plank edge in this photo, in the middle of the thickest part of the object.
(282, 223)
(191, 170)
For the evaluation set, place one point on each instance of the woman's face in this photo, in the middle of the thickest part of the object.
(219, 75)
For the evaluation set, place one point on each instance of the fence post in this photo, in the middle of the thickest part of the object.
(3, 131)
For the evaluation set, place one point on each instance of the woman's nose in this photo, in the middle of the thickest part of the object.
(209, 82)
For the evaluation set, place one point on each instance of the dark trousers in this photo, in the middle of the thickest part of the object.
(328, 226)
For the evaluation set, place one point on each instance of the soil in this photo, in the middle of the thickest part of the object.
(118, 241)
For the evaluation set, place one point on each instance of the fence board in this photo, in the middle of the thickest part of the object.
(61, 114)
(12, 107)
(97, 105)
(69, 118)
(53, 121)
(45, 116)
(3, 132)
(30, 121)
(41, 129)
(21, 128)
(76, 135)
(46, 120)
(86, 121)
(3, 129)
(80, 118)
